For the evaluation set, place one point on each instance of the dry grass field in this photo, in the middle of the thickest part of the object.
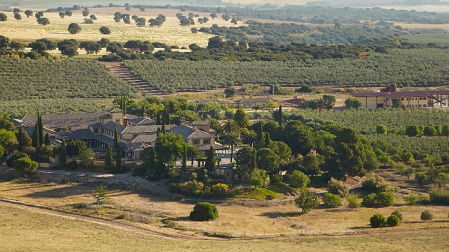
(276, 2)
(28, 229)
(170, 32)
(24, 230)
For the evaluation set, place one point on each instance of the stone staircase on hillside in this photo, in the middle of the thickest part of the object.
(126, 75)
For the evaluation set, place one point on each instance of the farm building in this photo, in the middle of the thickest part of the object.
(406, 99)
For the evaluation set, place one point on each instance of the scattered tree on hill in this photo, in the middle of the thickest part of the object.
(17, 16)
(85, 12)
(306, 201)
(28, 13)
(93, 17)
(68, 47)
(105, 30)
(43, 21)
(3, 16)
(68, 13)
(62, 14)
(74, 28)
(16, 46)
(90, 47)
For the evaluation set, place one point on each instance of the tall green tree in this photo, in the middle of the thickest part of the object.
(241, 118)
(210, 160)
(231, 139)
(47, 140)
(108, 159)
(118, 152)
(20, 139)
(40, 129)
(246, 159)
(184, 160)
(63, 153)
(281, 117)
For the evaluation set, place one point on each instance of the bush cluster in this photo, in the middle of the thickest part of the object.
(382, 199)
(204, 211)
(378, 220)
(375, 184)
(332, 200)
(426, 215)
(337, 187)
(440, 197)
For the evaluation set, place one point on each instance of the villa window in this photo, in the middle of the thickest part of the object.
(206, 141)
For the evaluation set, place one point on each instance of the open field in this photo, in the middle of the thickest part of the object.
(36, 229)
(31, 231)
(170, 32)
(275, 2)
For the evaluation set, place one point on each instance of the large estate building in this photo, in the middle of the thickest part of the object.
(135, 133)
(408, 99)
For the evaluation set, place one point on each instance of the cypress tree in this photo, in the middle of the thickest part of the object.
(259, 133)
(281, 119)
(253, 161)
(35, 137)
(210, 160)
(20, 138)
(267, 140)
(41, 129)
(124, 106)
(142, 112)
(163, 127)
(158, 118)
(63, 152)
(47, 140)
(108, 159)
(184, 160)
(118, 152)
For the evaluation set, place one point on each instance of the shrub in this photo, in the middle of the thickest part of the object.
(331, 200)
(10, 161)
(258, 194)
(393, 221)
(299, 180)
(192, 188)
(337, 187)
(369, 200)
(411, 199)
(204, 211)
(398, 214)
(421, 178)
(306, 201)
(353, 201)
(384, 199)
(377, 221)
(375, 184)
(259, 178)
(439, 197)
(25, 165)
(426, 215)
(220, 190)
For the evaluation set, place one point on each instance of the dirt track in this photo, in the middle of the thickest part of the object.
(169, 233)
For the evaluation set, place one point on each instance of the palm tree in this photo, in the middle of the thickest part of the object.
(232, 139)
